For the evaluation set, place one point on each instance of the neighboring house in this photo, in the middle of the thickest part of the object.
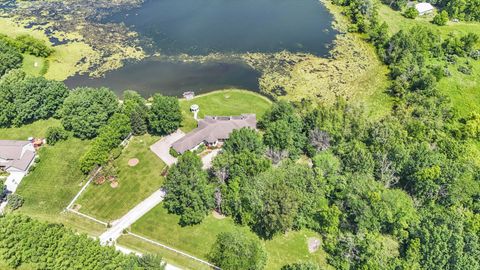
(212, 130)
(16, 156)
(424, 8)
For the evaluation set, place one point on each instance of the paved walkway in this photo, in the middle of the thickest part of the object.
(12, 182)
(162, 147)
(133, 215)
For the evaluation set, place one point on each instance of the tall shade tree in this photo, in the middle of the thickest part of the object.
(188, 192)
(134, 106)
(165, 115)
(10, 58)
(245, 139)
(237, 250)
(86, 110)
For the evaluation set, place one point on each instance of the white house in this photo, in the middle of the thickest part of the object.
(424, 8)
(16, 156)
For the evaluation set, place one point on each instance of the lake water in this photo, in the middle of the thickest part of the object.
(173, 78)
(201, 27)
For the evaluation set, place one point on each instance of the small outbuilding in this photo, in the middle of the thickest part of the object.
(424, 8)
(189, 95)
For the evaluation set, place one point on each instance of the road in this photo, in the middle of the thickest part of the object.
(133, 215)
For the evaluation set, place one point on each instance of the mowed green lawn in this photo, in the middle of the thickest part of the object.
(135, 183)
(33, 65)
(463, 90)
(36, 129)
(224, 103)
(198, 239)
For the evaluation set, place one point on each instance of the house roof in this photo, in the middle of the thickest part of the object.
(11, 149)
(424, 7)
(214, 128)
(15, 154)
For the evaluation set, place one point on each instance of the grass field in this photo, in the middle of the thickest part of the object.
(463, 90)
(36, 129)
(135, 183)
(197, 240)
(33, 65)
(224, 103)
(396, 21)
(170, 257)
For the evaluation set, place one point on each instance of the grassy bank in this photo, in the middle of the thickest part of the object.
(198, 239)
(64, 62)
(224, 103)
(135, 183)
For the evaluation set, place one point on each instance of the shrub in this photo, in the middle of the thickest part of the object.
(411, 13)
(236, 250)
(441, 18)
(56, 134)
(15, 201)
(173, 152)
(466, 69)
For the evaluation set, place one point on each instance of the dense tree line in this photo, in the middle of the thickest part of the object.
(110, 136)
(24, 241)
(26, 99)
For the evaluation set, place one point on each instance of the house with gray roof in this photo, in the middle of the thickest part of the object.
(16, 156)
(212, 130)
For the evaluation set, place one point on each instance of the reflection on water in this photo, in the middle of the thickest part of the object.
(173, 78)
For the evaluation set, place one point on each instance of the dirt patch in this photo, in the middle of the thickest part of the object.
(133, 162)
(217, 215)
(114, 184)
(76, 207)
(313, 244)
(99, 180)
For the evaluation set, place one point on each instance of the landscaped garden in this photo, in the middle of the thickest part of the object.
(223, 103)
(197, 240)
(139, 174)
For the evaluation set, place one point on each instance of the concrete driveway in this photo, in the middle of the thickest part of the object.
(162, 147)
(133, 215)
(13, 180)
